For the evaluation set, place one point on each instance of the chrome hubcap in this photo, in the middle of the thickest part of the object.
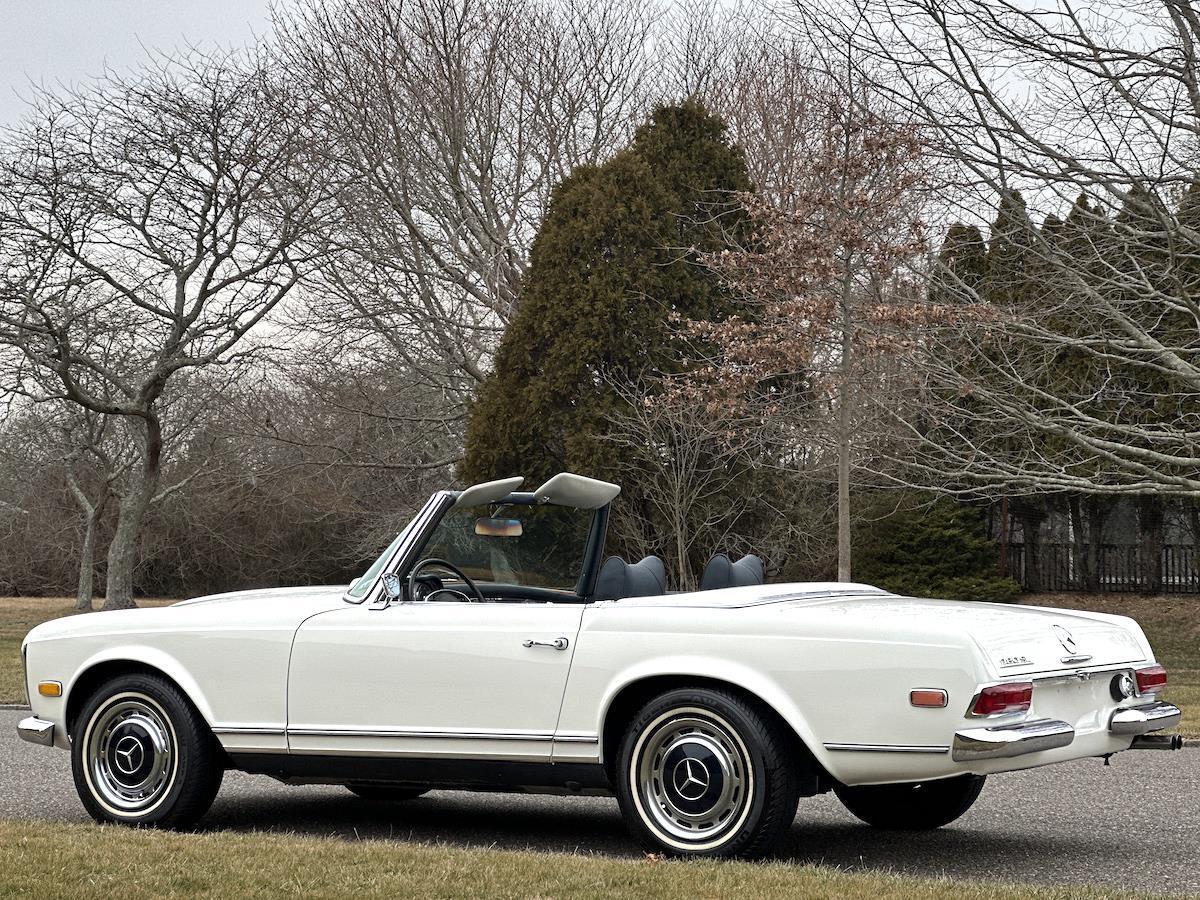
(693, 779)
(129, 750)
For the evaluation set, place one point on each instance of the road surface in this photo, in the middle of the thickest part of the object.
(1134, 825)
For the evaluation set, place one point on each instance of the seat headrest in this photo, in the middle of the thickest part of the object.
(617, 578)
(721, 573)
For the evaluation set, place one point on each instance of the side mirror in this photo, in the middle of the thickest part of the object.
(393, 587)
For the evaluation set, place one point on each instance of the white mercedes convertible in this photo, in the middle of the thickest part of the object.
(490, 647)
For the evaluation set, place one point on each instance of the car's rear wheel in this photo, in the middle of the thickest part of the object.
(912, 806)
(141, 755)
(386, 793)
(705, 772)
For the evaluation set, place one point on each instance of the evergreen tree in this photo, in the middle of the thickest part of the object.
(613, 264)
(961, 266)
(928, 547)
(1010, 272)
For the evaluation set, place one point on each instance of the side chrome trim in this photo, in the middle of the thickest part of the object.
(889, 748)
(1144, 718)
(36, 731)
(418, 733)
(567, 738)
(1004, 741)
(581, 738)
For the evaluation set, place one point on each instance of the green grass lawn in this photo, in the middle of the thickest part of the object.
(83, 861)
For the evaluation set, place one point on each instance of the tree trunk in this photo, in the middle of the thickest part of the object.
(682, 568)
(1150, 522)
(122, 552)
(87, 560)
(1080, 545)
(845, 396)
(1031, 513)
(1096, 510)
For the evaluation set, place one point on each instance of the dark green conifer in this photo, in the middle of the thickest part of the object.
(615, 260)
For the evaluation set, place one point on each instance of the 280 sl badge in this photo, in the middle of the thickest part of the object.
(1008, 661)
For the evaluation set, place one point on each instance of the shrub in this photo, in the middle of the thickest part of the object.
(917, 545)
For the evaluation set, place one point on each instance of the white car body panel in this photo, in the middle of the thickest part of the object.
(229, 653)
(431, 679)
(302, 672)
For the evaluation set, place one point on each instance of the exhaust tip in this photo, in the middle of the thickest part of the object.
(1157, 742)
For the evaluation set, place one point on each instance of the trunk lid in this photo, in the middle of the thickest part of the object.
(1016, 640)
(1033, 640)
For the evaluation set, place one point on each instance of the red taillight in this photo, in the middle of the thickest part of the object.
(1010, 697)
(1151, 680)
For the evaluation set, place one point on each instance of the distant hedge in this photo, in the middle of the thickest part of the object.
(922, 546)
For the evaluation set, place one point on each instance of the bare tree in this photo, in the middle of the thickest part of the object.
(450, 121)
(147, 225)
(824, 270)
(710, 481)
(1087, 379)
(86, 439)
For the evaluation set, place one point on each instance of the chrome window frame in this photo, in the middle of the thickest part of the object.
(422, 523)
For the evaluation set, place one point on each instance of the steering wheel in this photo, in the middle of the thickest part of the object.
(450, 567)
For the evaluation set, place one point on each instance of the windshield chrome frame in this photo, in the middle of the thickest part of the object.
(414, 534)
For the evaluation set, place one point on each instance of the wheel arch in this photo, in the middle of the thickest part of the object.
(128, 661)
(624, 702)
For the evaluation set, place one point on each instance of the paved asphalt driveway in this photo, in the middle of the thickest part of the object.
(1134, 825)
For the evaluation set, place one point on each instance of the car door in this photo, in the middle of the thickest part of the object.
(432, 679)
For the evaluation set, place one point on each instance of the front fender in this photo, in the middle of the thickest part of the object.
(151, 657)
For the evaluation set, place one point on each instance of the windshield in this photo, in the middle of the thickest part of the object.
(363, 584)
(532, 546)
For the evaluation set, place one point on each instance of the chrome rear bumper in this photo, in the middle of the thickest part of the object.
(1003, 741)
(36, 731)
(1141, 719)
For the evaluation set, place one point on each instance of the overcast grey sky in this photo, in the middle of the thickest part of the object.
(50, 41)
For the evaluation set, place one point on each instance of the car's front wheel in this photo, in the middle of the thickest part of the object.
(914, 805)
(141, 755)
(704, 772)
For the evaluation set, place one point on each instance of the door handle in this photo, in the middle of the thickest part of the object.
(557, 643)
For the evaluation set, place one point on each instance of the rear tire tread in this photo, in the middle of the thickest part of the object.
(914, 806)
(765, 737)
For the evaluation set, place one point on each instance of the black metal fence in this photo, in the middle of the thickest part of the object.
(1121, 568)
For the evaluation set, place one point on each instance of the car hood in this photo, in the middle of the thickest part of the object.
(270, 608)
(272, 597)
(1016, 640)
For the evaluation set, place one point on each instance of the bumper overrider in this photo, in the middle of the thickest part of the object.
(36, 731)
(1005, 741)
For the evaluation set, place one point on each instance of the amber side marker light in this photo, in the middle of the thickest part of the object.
(50, 688)
(929, 698)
